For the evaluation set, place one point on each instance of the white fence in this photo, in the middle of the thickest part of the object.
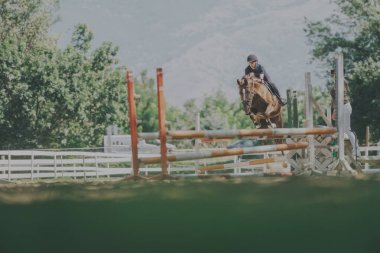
(368, 155)
(37, 164)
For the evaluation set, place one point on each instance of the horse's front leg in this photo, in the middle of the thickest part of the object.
(269, 110)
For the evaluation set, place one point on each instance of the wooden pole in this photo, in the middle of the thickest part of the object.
(224, 152)
(242, 164)
(309, 117)
(161, 122)
(367, 136)
(197, 141)
(289, 107)
(339, 103)
(240, 133)
(308, 103)
(295, 110)
(133, 123)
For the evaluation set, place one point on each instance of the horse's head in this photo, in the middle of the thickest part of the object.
(241, 82)
(249, 82)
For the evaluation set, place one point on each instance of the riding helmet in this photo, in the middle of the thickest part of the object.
(251, 57)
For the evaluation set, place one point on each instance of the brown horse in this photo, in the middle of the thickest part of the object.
(260, 104)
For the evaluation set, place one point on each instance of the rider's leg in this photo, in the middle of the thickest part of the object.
(347, 110)
(276, 92)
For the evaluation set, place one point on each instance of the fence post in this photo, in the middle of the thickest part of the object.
(197, 141)
(133, 123)
(289, 107)
(62, 169)
(367, 136)
(108, 145)
(96, 165)
(55, 166)
(161, 121)
(339, 103)
(309, 118)
(32, 165)
(295, 110)
(9, 165)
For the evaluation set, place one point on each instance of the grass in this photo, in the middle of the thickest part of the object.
(316, 214)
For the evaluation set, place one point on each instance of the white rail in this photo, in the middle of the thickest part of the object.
(38, 164)
(368, 154)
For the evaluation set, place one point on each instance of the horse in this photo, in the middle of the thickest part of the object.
(260, 104)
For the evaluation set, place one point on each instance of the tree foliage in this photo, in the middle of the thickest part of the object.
(354, 27)
(53, 97)
(27, 20)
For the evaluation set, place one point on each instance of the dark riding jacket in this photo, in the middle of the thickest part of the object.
(257, 71)
(261, 70)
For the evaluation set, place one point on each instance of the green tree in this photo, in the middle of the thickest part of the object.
(51, 97)
(27, 20)
(354, 27)
(147, 111)
(218, 113)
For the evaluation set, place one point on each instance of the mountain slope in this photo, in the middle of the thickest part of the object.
(202, 45)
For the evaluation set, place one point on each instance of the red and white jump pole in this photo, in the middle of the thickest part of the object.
(133, 123)
(161, 122)
(217, 134)
(242, 164)
(224, 152)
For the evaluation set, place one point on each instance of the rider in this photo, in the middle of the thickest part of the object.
(259, 70)
(347, 110)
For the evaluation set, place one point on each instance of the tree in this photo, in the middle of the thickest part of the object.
(146, 103)
(354, 27)
(51, 97)
(27, 20)
(218, 113)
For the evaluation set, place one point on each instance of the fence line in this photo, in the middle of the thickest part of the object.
(34, 165)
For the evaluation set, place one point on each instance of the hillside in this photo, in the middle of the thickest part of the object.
(202, 45)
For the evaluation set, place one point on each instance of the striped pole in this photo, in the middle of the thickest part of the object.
(309, 117)
(224, 152)
(217, 134)
(161, 122)
(243, 164)
(339, 102)
(133, 122)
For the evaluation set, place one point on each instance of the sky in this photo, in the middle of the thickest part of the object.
(202, 45)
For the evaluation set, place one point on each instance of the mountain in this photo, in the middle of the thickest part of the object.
(202, 45)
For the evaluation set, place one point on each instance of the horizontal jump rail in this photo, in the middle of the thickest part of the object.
(217, 134)
(242, 164)
(225, 152)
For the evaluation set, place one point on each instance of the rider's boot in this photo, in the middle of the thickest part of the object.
(280, 99)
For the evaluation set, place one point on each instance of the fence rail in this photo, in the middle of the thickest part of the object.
(38, 164)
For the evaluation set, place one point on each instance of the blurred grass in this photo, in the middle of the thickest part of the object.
(236, 215)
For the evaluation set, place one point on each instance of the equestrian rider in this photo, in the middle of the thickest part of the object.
(259, 71)
(347, 110)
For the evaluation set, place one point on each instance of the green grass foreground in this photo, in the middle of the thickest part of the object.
(233, 215)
